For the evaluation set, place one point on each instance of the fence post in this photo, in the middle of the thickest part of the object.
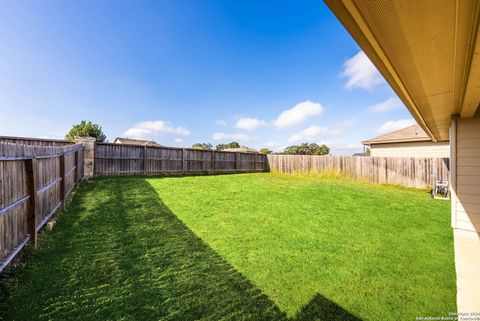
(62, 179)
(89, 151)
(31, 171)
(236, 162)
(184, 163)
(75, 177)
(144, 160)
(213, 161)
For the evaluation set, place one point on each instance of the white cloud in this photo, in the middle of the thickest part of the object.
(347, 146)
(56, 135)
(342, 148)
(178, 140)
(53, 135)
(344, 124)
(221, 122)
(298, 114)
(392, 125)
(314, 132)
(390, 104)
(224, 136)
(274, 146)
(150, 128)
(249, 123)
(271, 144)
(361, 73)
(135, 132)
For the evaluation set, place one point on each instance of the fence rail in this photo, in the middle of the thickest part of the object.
(406, 171)
(118, 159)
(35, 141)
(35, 181)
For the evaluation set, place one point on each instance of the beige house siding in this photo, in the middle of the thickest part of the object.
(411, 149)
(465, 183)
(467, 189)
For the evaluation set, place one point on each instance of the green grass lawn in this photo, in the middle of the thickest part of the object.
(239, 247)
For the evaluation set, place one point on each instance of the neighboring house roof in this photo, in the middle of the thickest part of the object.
(130, 141)
(242, 149)
(359, 154)
(412, 133)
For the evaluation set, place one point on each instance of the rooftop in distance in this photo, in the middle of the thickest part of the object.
(131, 141)
(412, 133)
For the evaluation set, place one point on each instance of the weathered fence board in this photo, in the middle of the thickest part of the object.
(34, 183)
(406, 171)
(35, 141)
(118, 159)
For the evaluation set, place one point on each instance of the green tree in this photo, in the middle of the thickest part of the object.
(307, 149)
(265, 151)
(233, 145)
(292, 150)
(229, 145)
(86, 129)
(368, 152)
(204, 146)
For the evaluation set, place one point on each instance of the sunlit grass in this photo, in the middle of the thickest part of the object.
(381, 252)
(239, 247)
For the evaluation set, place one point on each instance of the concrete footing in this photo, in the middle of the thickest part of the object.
(467, 265)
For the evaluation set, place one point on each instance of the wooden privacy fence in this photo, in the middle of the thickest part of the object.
(406, 171)
(34, 184)
(118, 159)
(35, 141)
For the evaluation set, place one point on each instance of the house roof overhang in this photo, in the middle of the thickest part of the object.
(393, 141)
(428, 51)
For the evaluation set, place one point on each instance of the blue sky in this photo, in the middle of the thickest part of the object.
(263, 73)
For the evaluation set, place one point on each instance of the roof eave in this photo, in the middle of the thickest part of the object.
(352, 20)
(376, 142)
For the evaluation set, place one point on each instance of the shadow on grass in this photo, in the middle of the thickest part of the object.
(119, 253)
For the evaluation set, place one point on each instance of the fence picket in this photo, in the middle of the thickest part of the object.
(35, 176)
(406, 171)
(119, 159)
